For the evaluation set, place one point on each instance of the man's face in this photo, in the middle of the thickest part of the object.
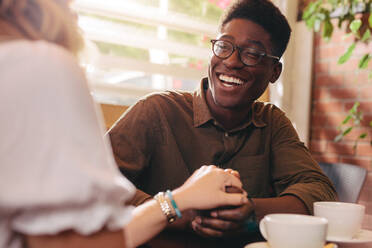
(231, 83)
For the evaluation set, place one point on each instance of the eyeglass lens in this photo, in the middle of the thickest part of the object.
(224, 49)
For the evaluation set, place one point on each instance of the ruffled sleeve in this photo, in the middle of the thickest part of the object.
(57, 170)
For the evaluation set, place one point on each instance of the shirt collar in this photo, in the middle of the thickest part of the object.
(203, 115)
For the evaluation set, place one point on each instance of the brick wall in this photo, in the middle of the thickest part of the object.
(335, 89)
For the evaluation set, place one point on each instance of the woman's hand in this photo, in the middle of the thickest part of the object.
(206, 189)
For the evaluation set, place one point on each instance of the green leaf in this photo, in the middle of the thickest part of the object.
(310, 9)
(366, 35)
(310, 22)
(348, 130)
(346, 56)
(327, 29)
(370, 19)
(355, 25)
(354, 109)
(363, 135)
(363, 63)
(346, 119)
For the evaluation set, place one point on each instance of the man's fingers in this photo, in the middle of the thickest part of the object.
(235, 214)
(205, 231)
(216, 224)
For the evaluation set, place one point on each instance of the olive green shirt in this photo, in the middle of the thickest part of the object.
(161, 140)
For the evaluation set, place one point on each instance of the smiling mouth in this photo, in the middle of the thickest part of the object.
(229, 81)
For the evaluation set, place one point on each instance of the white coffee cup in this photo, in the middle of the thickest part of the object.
(344, 219)
(294, 230)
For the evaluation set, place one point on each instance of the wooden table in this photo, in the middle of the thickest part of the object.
(188, 239)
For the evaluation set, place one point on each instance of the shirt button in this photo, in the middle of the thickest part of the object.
(226, 134)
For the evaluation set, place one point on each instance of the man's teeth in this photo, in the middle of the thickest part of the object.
(230, 80)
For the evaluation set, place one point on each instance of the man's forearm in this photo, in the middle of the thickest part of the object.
(284, 204)
(139, 198)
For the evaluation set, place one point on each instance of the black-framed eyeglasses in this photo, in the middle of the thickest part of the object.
(248, 55)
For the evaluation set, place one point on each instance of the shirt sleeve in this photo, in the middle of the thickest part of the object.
(57, 170)
(133, 138)
(294, 171)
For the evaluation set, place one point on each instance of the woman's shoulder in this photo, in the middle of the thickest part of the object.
(23, 52)
(39, 62)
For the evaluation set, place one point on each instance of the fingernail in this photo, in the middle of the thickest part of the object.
(214, 214)
(244, 200)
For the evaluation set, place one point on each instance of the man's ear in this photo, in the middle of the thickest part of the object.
(277, 70)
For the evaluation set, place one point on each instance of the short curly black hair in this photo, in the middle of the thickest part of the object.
(265, 14)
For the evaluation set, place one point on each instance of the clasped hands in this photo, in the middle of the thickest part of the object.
(224, 221)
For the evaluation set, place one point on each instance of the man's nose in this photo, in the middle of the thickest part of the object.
(234, 60)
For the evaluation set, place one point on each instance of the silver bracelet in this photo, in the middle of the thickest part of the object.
(165, 207)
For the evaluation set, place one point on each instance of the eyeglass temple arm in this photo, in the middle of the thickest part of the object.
(272, 56)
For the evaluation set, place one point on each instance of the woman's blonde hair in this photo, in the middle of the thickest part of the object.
(49, 20)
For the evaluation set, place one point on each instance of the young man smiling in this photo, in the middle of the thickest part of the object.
(163, 138)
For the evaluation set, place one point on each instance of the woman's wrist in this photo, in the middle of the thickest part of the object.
(181, 200)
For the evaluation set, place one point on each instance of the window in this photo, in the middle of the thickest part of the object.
(135, 47)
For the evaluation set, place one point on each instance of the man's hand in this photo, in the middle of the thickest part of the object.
(222, 222)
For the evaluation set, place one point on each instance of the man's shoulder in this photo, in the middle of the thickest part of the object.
(168, 98)
(266, 109)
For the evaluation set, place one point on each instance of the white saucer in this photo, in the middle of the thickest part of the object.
(363, 236)
(258, 245)
(261, 245)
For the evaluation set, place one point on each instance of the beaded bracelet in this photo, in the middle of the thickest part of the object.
(165, 208)
(174, 204)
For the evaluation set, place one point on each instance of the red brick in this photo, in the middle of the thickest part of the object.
(350, 65)
(362, 162)
(344, 93)
(326, 107)
(367, 222)
(327, 119)
(355, 133)
(335, 120)
(329, 80)
(322, 52)
(340, 148)
(366, 92)
(368, 182)
(318, 120)
(317, 146)
(318, 41)
(321, 67)
(362, 48)
(324, 133)
(367, 118)
(365, 107)
(337, 50)
(368, 205)
(326, 158)
(319, 93)
(366, 193)
(364, 149)
(357, 78)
